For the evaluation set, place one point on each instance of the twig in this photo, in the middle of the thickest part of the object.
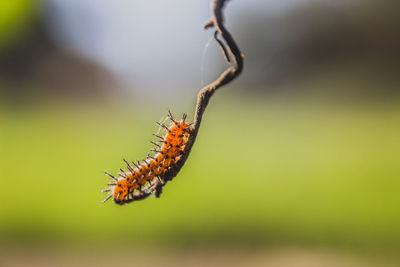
(217, 21)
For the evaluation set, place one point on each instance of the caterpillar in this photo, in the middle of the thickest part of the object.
(142, 178)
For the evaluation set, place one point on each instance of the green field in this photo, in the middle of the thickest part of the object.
(260, 174)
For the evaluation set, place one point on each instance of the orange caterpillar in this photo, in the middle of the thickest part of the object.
(141, 181)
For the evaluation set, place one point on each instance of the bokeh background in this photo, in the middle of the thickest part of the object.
(297, 162)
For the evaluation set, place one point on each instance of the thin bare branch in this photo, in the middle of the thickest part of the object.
(234, 70)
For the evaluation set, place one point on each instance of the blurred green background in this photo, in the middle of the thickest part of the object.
(296, 163)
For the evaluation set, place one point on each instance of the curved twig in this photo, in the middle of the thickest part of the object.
(217, 21)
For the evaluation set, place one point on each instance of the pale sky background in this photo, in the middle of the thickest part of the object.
(138, 40)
